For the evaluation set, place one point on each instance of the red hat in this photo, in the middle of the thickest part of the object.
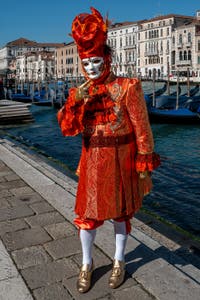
(90, 34)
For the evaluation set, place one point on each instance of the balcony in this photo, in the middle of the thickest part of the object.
(183, 62)
(129, 47)
(180, 45)
(188, 44)
(151, 53)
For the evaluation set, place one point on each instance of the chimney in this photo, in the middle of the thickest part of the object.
(198, 15)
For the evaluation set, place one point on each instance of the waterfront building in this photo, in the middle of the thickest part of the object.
(154, 43)
(67, 62)
(122, 37)
(17, 49)
(186, 49)
(162, 46)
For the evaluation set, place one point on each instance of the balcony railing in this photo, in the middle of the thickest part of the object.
(130, 47)
(151, 53)
(183, 62)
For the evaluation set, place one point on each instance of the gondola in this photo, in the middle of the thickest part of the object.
(169, 102)
(180, 115)
(149, 97)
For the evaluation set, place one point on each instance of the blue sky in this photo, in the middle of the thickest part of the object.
(50, 21)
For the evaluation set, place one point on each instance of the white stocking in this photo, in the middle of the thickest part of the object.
(87, 238)
(120, 239)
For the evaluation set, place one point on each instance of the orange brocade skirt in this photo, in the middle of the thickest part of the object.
(109, 186)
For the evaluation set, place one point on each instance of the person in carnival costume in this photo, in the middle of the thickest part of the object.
(117, 151)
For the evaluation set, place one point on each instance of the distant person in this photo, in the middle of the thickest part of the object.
(52, 95)
(1, 90)
(9, 93)
(117, 152)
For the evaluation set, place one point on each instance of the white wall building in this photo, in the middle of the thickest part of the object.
(155, 44)
(122, 37)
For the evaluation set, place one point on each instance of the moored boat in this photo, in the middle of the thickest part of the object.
(180, 115)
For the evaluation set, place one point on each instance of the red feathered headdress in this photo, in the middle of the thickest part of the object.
(90, 34)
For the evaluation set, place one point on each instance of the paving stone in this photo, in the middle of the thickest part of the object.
(31, 256)
(2, 179)
(5, 172)
(21, 191)
(4, 168)
(25, 199)
(60, 230)
(54, 292)
(134, 292)
(12, 225)
(4, 203)
(2, 165)
(14, 289)
(12, 184)
(12, 177)
(11, 213)
(42, 207)
(46, 274)
(63, 247)
(5, 193)
(45, 219)
(167, 282)
(7, 269)
(25, 238)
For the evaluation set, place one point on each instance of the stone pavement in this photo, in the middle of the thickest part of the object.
(40, 251)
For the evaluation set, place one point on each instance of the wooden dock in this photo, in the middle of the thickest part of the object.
(13, 112)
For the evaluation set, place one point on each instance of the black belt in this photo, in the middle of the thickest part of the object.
(108, 141)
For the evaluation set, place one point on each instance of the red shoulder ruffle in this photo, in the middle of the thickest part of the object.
(70, 116)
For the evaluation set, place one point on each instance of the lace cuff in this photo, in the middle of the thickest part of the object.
(147, 162)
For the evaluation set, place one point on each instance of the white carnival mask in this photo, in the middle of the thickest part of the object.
(93, 66)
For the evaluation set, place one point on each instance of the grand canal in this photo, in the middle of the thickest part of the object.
(176, 193)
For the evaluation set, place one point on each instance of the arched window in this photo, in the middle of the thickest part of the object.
(189, 55)
(185, 55)
(180, 55)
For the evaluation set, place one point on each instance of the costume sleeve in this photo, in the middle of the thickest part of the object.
(70, 115)
(146, 159)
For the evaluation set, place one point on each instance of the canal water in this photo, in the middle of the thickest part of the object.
(176, 193)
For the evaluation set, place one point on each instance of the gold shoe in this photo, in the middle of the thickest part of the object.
(117, 275)
(84, 279)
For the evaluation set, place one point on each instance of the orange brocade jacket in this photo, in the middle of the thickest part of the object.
(117, 145)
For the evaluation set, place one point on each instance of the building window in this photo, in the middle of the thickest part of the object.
(180, 39)
(180, 55)
(189, 55)
(189, 37)
(198, 60)
(167, 30)
(173, 40)
(167, 45)
(198, 45)
(161, 32)
(185, 55)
